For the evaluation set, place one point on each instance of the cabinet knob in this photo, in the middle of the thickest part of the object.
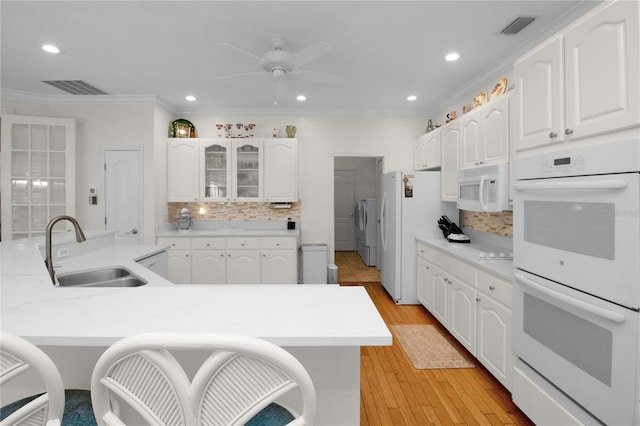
(186, 255)
(568, 131)
(477, 299)
(208, 244)
(553, 135)
(492, 288)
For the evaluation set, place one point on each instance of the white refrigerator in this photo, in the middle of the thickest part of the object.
(410, 206)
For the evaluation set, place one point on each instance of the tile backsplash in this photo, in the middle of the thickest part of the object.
(500, 223)
(234, 211)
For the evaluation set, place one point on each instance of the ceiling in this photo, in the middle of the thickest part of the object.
(382, 51)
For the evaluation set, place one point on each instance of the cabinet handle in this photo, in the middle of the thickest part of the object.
(492, 288)
(568, 131)
(553, 135)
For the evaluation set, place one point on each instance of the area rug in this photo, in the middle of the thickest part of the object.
(428, 348)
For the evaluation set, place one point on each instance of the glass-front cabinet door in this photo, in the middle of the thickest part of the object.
(247, 176)
(216, 182)
(38, 173)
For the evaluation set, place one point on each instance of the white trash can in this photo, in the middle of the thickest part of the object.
(332, 274)
(314, 260)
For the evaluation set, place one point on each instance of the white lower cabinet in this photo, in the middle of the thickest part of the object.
(237, 260)
(474, 306)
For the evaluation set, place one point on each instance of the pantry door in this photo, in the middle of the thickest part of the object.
(344, 204)
(123, 194)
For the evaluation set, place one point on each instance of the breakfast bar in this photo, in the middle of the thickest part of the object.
(324, 326)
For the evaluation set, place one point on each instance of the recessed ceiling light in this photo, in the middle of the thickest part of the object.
(301, 98)
(412, 97)
(50, 48)
(453, 56)
(190, 98)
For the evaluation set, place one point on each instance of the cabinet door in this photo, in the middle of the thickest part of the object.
(440, 301)
(208, 267)
(247, 166)
(470, 140)
(449, 168)
(281, 170)
(602, 55)
(179, 266)
(538, 107)
(494, 339)
(420, 153)
(215, 170)
(494, 139)
(182, 170)
(278, 267)
(462, 314)
(243, 266)
(423, 282)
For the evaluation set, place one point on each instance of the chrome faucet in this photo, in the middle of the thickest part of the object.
(79, 238)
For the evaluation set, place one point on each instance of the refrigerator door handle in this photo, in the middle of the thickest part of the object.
(383, 231)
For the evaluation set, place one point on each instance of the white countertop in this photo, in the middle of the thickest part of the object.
(230, 233)
(287, 315)
(503, 268)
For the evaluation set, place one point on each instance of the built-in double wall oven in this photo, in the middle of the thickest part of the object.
(577, 275)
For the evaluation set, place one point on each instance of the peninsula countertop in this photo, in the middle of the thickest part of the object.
(287, 315)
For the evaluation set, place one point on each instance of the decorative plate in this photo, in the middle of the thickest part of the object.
(499, 88)
(479, 99)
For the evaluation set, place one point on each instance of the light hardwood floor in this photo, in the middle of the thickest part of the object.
(394, 393)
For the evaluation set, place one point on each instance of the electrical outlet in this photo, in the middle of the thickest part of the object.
(63, 252)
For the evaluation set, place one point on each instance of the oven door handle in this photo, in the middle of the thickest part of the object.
(587, 184)
(595, 310)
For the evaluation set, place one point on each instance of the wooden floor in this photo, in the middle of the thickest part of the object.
(394, 393)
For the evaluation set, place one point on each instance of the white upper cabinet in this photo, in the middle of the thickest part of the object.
(280, 170)
(215, 170)
(247, 170)
(582, 83)
(427, 151)
(602, 58)
(219, 170)
(449, 168)
(182, 170)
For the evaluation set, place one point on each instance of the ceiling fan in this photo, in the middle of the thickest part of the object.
(281, 63)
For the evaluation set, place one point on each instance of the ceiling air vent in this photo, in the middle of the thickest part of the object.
(517, 25)
(75, 87)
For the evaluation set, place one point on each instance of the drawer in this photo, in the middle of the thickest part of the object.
(423, 251)
(453, 266)
(175, 243)
(238, 243)
(208, 243)
(278, 243)
(495, 287)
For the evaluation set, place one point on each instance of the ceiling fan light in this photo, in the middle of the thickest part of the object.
(278, 71)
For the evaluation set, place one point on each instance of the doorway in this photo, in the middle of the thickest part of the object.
(123, 194)
(355, 178)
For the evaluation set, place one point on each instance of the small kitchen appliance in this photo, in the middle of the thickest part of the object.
(184, 221)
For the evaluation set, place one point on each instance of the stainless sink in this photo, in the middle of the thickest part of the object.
(103, 277)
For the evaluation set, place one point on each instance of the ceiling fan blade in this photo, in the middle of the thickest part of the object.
(311, 53)
(242, 74)
(241, 51)
(320, 77)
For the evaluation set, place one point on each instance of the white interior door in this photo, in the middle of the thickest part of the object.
(123, 195)
(345, 203)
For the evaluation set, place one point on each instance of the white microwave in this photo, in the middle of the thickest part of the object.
(484, 189)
